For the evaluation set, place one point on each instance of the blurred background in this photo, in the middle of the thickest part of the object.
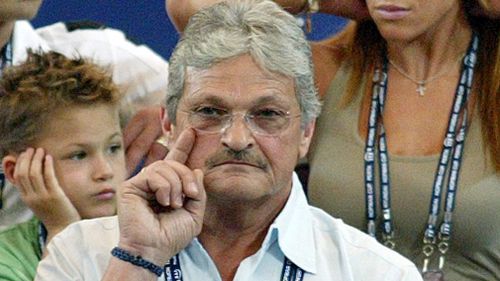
(145, 22)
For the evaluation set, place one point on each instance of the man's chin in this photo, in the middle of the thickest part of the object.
(235, 171)
(237, 184)
(240, 176)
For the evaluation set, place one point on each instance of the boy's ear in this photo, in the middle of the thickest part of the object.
(9, 167)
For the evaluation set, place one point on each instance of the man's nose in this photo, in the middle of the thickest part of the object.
(237, 135)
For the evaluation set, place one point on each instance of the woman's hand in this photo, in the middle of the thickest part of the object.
(352, 9)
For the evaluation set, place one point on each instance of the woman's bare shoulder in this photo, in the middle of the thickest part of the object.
(327, 58)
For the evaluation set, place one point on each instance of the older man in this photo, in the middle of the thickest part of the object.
(242, 104)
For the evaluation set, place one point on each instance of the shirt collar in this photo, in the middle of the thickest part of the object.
(295, 230)
(292, 228)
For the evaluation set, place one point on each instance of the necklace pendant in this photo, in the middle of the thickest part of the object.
(421, 89)
(433, 275)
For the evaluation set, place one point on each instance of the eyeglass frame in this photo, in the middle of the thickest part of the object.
(228, 120)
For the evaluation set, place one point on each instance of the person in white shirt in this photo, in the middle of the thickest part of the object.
(225, 204)
(139, 72)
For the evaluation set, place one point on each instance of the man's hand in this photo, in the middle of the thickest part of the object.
(35, 177)
(139, 137)
(160, 210)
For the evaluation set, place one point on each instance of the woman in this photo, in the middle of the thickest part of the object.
(419, 46)
(423, 44)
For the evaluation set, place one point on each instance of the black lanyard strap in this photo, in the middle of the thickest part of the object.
(5, 60)
(42, 236)
(6, 57)
(453, 145)
(290, 272)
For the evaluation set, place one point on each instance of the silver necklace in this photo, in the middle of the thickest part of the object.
(421, 83)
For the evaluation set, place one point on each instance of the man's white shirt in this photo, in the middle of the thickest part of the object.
(324, 247)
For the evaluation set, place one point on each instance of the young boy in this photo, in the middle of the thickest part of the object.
(62, 146)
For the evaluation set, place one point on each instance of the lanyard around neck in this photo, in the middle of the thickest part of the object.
(5, 60)
(7, 56)
(452, 147)
(42, 236)
(290, 272)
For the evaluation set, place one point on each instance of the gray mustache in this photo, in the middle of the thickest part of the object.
(228, 155)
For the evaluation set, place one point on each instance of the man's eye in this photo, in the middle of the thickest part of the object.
(269, 113)
(207, 111)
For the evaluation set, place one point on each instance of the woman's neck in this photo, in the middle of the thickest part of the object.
(434, 52)
(6, 29)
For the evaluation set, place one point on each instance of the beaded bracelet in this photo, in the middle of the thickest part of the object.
(136, 260)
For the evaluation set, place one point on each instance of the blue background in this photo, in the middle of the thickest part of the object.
(144, 23)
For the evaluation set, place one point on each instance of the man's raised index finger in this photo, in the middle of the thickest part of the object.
(182, 147)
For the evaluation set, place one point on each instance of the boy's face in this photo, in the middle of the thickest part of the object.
(87, 147)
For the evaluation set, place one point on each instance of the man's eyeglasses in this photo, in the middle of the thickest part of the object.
(266, 121)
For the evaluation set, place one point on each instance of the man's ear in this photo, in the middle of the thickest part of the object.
(165, 121)
(305, 142)
(9, 167)
(167, 127)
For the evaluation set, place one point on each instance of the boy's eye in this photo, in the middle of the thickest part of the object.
(115, 148)
(79, 155)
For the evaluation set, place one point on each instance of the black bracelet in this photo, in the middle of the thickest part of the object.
(136, 260)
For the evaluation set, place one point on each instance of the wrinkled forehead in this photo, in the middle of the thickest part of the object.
(238, 81)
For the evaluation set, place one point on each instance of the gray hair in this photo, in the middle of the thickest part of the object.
(259, 28)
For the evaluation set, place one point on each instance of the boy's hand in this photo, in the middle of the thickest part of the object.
(35, 178)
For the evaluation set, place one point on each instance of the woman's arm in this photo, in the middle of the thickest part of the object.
(179, 11)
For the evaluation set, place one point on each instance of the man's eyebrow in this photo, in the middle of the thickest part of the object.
(211, 99)
(272, 98)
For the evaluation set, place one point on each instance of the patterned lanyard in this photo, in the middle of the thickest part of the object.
(452, 147)
(5, 60)
(6, 57)
(42, 236)
(290, 272)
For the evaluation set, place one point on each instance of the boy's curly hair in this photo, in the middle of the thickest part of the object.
(47, 83)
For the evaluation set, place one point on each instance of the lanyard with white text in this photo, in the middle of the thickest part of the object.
(2, 184)
(452, 147)
(290, 272)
